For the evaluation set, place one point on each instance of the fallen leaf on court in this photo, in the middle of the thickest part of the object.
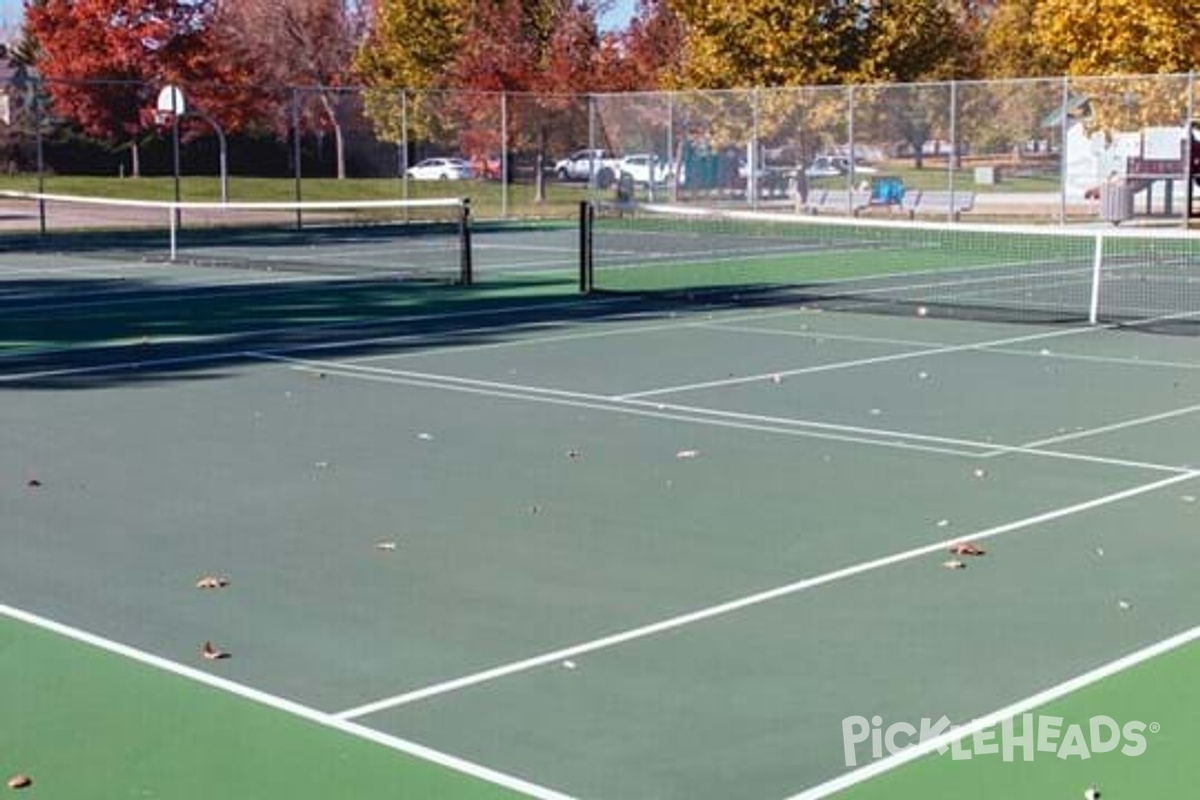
(211, 652)
(776, 378)
(954, 564)
(212, 582)
(980, 472)
(33, 483)
(568, 664)
(687, 454)
(941, 523)
(425, 437)
(385, 546)
(1188, 498)
(535, 509)
(574, 455)
(20, 782)
(1124, 605)
(321, 465)
(966, 549)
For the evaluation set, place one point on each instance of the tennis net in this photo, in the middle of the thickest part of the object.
(1003, 272)
(427, 239)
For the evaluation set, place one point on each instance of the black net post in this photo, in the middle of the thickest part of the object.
(466, 263)
(586, 218)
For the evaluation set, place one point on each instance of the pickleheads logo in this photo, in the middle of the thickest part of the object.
(1026, 735)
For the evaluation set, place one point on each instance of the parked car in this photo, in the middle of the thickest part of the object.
(832, 166)
(441, 169)
(583, 164)
(644, 169)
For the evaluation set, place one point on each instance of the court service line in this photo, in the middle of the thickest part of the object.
(281, 704)
(604, 404)
(877, 437)
(748, 601)
(859, 362)
(909, 754)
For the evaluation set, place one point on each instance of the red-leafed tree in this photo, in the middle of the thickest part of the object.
(646, 55)
(301, 43)
(546, 51)
(101, 59)
(104, 62)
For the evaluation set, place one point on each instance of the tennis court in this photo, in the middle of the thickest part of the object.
(506, 539)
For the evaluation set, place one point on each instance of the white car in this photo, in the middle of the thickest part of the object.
(441, 169)
(583, 164)
(645, 168)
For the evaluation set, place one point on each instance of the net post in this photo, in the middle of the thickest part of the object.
(1097, 261)
(586, 217)
(466, 266)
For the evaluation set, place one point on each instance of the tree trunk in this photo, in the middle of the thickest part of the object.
(135, 159)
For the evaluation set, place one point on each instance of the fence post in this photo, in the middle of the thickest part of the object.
(296, 154)
(1189, 144)
(404, 143)
(1064, 129)
(503, 155)
(853, 148)
(954, 146)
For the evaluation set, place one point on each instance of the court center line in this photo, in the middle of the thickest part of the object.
(860, 362)
(281, 704)
(891, 762)
(739, 604)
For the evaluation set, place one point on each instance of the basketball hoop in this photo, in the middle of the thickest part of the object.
(170, 102)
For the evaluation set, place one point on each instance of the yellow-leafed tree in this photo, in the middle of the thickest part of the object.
(1110, 37)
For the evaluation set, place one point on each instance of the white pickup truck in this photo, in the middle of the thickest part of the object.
(583, 164)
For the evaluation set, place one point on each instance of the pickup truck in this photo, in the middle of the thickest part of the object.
(583, 164)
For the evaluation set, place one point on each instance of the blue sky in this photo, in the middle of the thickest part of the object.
(10, 11)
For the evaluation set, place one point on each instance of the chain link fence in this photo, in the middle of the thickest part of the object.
(1046, 150)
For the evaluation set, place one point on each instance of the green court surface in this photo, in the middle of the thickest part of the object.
(510, 540)
(86, 723)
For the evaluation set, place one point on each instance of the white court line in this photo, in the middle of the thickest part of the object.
(678, 323)
(281, 704)
(600, 403)
(989, 449)
(993, 719)
(860, 362)
(1121, 361)
(1117, 426)
(876, 437)
(747, 601)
